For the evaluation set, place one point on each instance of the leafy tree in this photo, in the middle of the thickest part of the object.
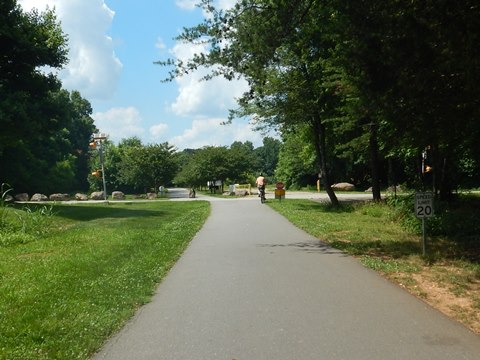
(148, 167)
(79, 134)
(282, 50)
(374, 82)
(28, 41)
(38, 119)
(267, 156)
(241, 158)
(415, 64)
(212, 163)
(297, 160)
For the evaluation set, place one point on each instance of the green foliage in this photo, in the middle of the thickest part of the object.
(29, 41)
(454, 223)
(376, 82)
(267, 156)
(297, 161)
(234, 164)
(5, 190)
(44, 125)
(148, 167)
(132, 166)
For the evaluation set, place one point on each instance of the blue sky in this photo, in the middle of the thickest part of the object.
(113, 47)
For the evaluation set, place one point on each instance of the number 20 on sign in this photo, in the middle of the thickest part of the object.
(423, 210)
(424, 205)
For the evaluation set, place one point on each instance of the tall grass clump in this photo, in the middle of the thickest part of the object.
(22, 225)
(5, 189)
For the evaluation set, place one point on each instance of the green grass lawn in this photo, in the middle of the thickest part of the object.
(355, 228)
(63, 294)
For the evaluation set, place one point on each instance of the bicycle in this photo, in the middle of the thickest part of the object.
(261, 193)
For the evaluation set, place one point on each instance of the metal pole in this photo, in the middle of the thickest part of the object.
(103, 172)
(424, 237)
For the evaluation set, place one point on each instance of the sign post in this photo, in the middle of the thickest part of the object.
(280, 191)
(424, 210)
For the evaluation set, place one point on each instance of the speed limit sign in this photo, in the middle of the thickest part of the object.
(424, 205)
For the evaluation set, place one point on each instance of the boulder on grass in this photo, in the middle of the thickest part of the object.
(97, 195)
(151, 196)
(59, 197)
(22, 197)
(39, 197)
(343, 186)
(118, 195)
(81, 197)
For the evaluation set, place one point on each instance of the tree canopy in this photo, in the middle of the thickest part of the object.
(383, 80)
(45, 129)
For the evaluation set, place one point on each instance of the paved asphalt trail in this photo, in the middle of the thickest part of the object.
(251, 286)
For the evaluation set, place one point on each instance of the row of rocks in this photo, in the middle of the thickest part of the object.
(97, 195)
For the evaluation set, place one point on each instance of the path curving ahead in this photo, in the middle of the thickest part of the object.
(251, 286)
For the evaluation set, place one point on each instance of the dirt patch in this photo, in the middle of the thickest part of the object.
(459, 300)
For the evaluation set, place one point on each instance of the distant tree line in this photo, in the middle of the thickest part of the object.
(133, 167)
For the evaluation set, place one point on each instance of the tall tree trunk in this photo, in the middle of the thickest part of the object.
(320, 147)
(374, 163)
(446, 184)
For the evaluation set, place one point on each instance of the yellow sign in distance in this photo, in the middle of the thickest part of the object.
(279, 192)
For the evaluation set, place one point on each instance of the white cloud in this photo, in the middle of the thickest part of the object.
(160, 44)
(211, 132)
(191, 4)
(158, 130)
(213, 97)
(120, 123)
(93, 69)
(186, 4)
(226, 4)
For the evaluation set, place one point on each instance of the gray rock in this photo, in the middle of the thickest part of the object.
(39, 197)
(81, 197)
(241, 192)
(151, 196)
(59, 197)
(22, 197)
(118, 195)
(97, 195)
(343, 186)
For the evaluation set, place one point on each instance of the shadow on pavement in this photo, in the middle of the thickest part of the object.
(309, 247)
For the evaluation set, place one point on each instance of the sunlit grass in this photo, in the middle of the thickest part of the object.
(63, 294)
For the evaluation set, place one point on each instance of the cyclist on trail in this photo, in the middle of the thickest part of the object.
(260, 182)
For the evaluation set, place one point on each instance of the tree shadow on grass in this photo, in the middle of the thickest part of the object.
(384, 249)
(92, 212)
(344, 207)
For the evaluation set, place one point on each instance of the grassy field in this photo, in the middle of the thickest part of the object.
(387, 239)
(70, 282)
